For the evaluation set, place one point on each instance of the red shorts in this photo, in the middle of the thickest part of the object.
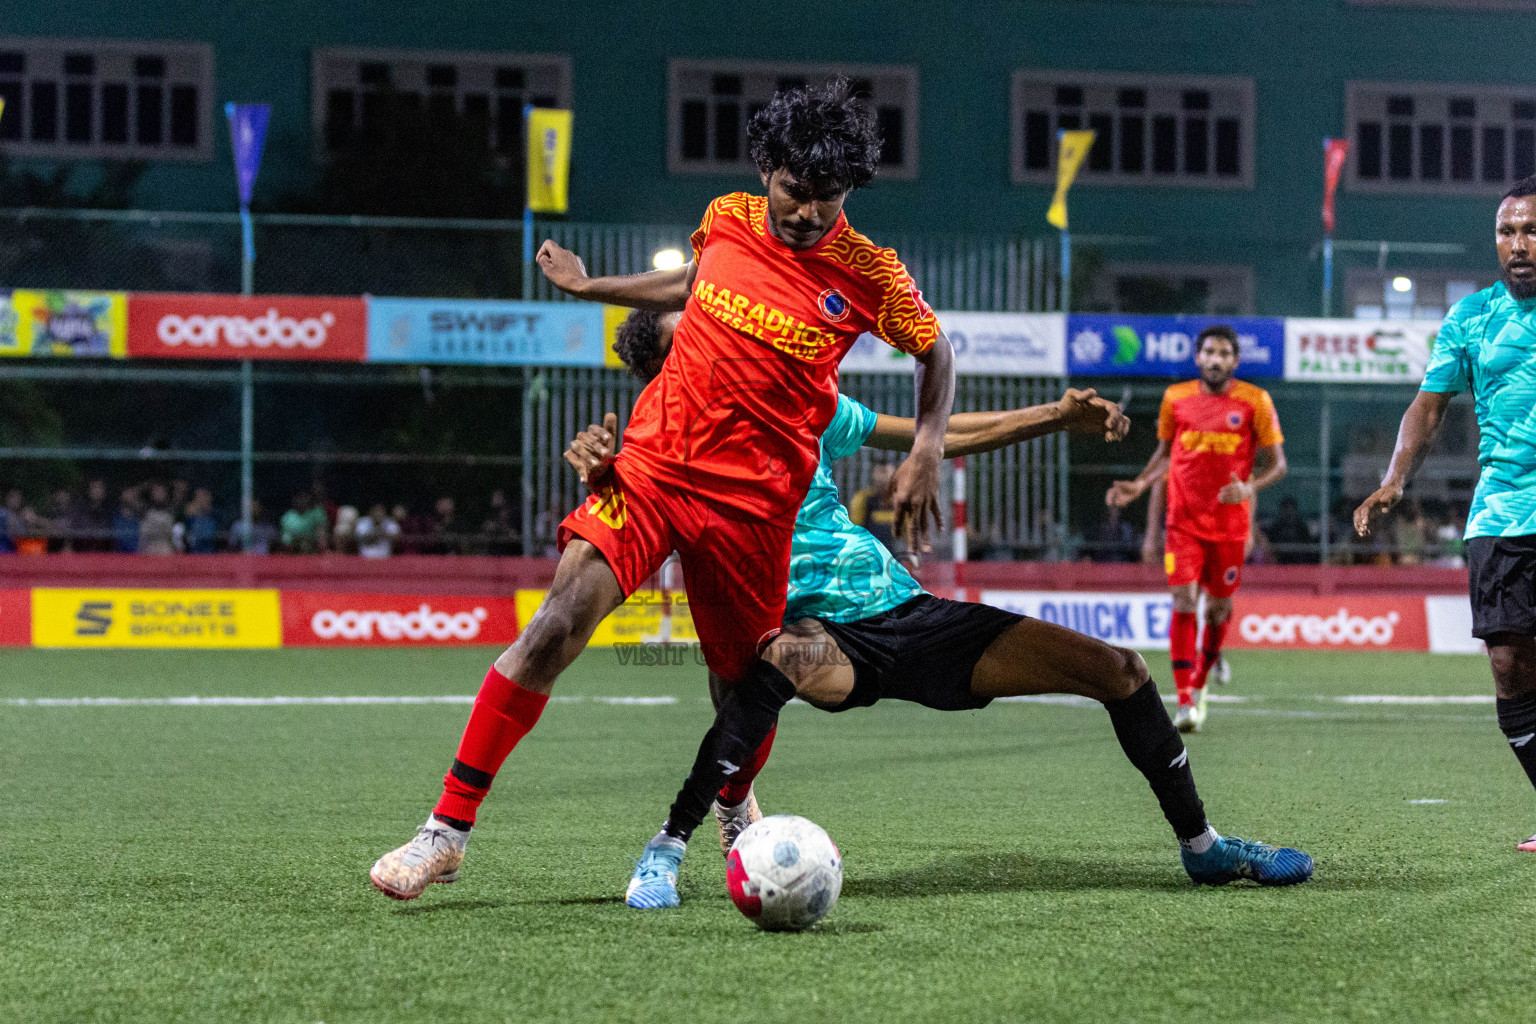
(735, 567)
(1216, 564)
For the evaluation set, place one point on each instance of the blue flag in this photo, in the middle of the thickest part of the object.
(247, 133)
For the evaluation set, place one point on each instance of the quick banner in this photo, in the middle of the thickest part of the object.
(88, 617)
(485, 332)
(338, 619)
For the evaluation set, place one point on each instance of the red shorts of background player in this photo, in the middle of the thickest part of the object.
(735, 567)
(1216, 564)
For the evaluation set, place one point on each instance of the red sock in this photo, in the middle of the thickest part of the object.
(503, 714)
(1181, 651)
(740, 784)
(1210, 646)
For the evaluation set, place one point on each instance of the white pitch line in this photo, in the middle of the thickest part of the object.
(253, 702)
(1381, 698)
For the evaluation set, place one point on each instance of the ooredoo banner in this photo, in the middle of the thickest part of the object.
(175, 326)
(1351, 622)
(15, 618)
(334, 619)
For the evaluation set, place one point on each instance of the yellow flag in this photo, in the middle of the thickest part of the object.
(2, 107)
(549, 159)
(1074, 149)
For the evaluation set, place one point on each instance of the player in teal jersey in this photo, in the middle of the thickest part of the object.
(859, 628)
(1488, 343)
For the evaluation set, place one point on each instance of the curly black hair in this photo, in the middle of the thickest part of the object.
(638, 344)
(822, 135)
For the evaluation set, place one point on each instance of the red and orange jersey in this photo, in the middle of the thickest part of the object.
(1213, 436)
(739, 407)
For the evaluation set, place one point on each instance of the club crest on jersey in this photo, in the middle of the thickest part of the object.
(834, 306)
(1230, 576)
(1234, 419)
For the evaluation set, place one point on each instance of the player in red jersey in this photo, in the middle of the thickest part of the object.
(1212, 434)
(722, 446)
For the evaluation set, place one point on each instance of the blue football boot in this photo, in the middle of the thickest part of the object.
(1231, 858)
(654, 884)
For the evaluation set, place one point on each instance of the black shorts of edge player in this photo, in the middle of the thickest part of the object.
(1502, 578)
(923, 651)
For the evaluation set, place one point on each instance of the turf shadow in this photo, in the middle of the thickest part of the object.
(434, 908)
(1015, 872)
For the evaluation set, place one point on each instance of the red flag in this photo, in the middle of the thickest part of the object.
(1334, 153)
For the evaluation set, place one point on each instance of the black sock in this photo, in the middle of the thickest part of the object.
(1148, 737)
(745, 716)
(1517, 717)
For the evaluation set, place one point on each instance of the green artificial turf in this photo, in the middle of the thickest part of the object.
(210, 863)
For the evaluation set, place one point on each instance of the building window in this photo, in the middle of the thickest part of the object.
(1172, 288)
(1410, 294)
(1150, 129)
(115, 99)
(1447, 139)
(711, 102)
(358, 91)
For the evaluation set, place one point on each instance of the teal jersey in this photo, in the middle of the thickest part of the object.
(1488, 343)
(839, 571)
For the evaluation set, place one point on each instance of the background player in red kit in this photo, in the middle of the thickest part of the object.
(722, 446)
(1211, 435)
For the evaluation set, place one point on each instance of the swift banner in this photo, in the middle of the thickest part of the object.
(64, 323)
(1358, 351)
(1031, 344)
(330, 619)
(174, 326)
(1129, 345)
(79, 617)
(485, 331)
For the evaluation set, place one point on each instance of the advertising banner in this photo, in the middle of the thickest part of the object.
(1028, 344)
(331, 619)
(82, 617)
(1129, 345)
(1352, 622)
(1358, 351)
(15, 618)
(636, 621)
(1126, 620)
(1450, 625)
(193, 326)
(485, 331)
(64, 323)
(549, 159)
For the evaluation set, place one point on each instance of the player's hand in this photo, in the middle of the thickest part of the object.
(1236, 492)
(1123, 492)
(591, 451)
(915, 497)
(1377, 505)
(1084, 412)
(563, 267)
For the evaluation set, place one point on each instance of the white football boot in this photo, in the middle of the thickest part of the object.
(733, 821)
(433, 856)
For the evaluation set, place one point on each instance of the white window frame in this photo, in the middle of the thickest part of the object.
(119, 56)
(1241, 273)
(813, 74)
(415, 62)
(1498, 97)
(1018, 106)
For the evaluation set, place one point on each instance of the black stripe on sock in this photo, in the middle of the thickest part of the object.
(1182, 664)
(471, 776)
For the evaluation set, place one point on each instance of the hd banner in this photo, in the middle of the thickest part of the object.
(1019, 344)
(63, 323)
(175, 326)
(89, 617)
(485, 332)
(1128, 345)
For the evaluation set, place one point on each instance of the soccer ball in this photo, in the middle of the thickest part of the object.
(784, 872)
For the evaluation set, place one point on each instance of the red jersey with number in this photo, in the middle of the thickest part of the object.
(737, 413)
(1213, 436)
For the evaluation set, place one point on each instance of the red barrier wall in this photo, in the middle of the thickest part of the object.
(449, 574)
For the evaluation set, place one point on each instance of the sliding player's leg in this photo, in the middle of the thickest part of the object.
(611, 544)
(736, 805)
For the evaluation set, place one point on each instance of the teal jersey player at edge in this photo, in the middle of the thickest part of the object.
(859, 628)
(1488, 344)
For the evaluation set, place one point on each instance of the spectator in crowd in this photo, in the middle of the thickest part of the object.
(56, 526)
(1112, 539)
(877, 514)
(303, 526)
(125, 522)
(10, 520)
(201, 529)
(1410, 533)
(377, 533)
(446, 535)
(412, 531)
(344, 531)
(1450, 546)
(90, 526)
(157, 530)
(1288, 535)
(180, 490)
(498, 534)
(263, 535)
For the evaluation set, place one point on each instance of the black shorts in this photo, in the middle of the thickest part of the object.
(923, 651)
(1503, 585)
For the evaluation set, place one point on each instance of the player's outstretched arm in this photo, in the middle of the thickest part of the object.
(1123, 492)
(915, 488)
(660, 290)
(1420, 424)
(1078, 411)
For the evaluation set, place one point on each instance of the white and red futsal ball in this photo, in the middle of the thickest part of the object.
(784, 872)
